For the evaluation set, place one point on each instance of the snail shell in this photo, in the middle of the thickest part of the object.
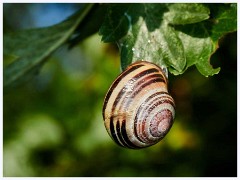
(138, 111)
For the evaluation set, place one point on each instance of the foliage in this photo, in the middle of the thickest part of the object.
(172, 35)
(31, 47)
(176, 36)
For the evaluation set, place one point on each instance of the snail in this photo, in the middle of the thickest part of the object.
(138, 110)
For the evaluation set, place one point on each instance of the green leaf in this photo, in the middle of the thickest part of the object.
(90, 25)
(224, 20)
(202, 41)
(116, 24)
(8, 59)
(32, 47)
(174, 36)
(141, 34)
(198, 47)
(186, 13)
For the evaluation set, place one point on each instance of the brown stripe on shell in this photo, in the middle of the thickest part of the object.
(149, 79)
(147, 104)
(123, 90)
(127, 98)
(139, 127)
(116, 82)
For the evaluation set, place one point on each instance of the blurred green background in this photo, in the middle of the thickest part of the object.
(53, 124)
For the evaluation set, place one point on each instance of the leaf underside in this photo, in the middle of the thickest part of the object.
(174, 36)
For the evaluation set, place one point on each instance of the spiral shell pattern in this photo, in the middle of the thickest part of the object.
(138, 111)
